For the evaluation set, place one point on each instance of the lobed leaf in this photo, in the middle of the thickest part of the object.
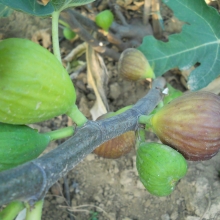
(199, 42)
(5, 11)
(34, 8)
(62, 4)
(29, 6)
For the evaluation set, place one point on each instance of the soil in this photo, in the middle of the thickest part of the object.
(108, 189)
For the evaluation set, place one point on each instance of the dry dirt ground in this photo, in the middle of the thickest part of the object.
(107, 189)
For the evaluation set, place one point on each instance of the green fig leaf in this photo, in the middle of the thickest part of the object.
(5, 11)
(34, 8)
(30, 7)
(197, 43)
(62, 4)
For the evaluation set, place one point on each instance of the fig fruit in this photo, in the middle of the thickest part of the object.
(159, 167)
(34, 85)
(68, 33)
(190, 124)
(19, 144)
(133, 65)
(104, 19)
(118, 146)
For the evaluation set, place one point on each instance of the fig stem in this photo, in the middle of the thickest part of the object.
(55, 35)
(34, 213)
(12, 210)
(77, 116)
(144, 119)
(140, 137)
(60, 133)
(149, 73)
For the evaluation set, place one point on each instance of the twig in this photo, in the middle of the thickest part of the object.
(131, 31)
(84, 20)
(31, 181)
(147, 11)
(76, 209)
(119, 31)
(117, 11)
(81, 48)
(84, 35)
(77, 72)
(156, 18)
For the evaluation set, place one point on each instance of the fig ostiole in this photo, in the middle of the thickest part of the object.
(133, 65)
(118, 146)
(34, 85)
(159, 167)
(190, 124)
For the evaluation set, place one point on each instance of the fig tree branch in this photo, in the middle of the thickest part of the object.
(31, 181)
(133, 32)
(86, 36)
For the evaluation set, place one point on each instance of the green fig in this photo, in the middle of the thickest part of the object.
(159, 167)
(19, 144)
(190, 124)
(104, 19)
(68, 33)
(34, 85)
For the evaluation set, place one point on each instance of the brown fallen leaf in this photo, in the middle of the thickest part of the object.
(97, 78)
(42, 37)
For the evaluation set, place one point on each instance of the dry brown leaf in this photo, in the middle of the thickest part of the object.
(42, 36)
(76, 52)
(97, 78)
(136, 6)
(214, 86)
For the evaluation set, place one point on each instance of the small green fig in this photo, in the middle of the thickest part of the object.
(68, 33)
(19, 144)
(118, 146)
(34, 85)
(133, 65)
(190, 124)
(104, 19)
(159, 167)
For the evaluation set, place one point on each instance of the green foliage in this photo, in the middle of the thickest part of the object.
(62, 4)
(94, 215)
(34, 8)
(197, 43)
(5, 11)
(30, 7)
